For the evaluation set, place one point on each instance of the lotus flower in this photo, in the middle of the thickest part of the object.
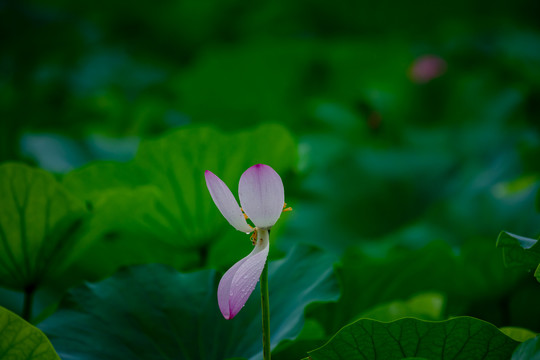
(262, 199)
(426, 68)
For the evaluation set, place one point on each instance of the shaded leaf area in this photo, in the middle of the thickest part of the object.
(517, 333)
(124, 230)
(153, 311)
(519, 251)
(458, 197)
(445, 191)
(473, 285)
(458, 338)
(529, 350)
(38, 222)
(299, 73)
(158, 204)
(21, 341)
(424, 306)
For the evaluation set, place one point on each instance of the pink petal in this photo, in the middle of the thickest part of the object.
(427, 68)
(238, 283)
(261, 195)
(225, 202)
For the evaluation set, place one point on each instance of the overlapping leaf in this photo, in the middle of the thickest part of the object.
(459, 338)
(152, 311)
(425, 306)
(518, 333)
(529, 350)
(38, 221)
(158, 204)
(519, 251)
(175, 164)
(126, 229)
(21, 341)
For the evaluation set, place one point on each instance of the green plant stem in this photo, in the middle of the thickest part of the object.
(28, 301)
(265, 303)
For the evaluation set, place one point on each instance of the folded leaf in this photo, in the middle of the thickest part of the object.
(519, 251)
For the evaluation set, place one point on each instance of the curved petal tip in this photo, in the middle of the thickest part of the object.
(238, 283)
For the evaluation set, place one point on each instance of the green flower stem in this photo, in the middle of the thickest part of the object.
(27, 305)
(265, 303)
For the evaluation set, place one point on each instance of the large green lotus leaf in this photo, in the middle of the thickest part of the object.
(38, 222)
(157, 208)
(519, 251)
(130, 239)
(175, 164)
(153, 311)
(401, 274)
(21, 341)
(89, 181)
(529, 350)
(459, 338)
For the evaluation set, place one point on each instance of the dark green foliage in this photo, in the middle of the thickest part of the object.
(404, 180)
(520, 252)
(529, 350)
(153, 311)
(459, 338)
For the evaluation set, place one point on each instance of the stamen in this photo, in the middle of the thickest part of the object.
(286, 209)
(253, 237)
(245, 215)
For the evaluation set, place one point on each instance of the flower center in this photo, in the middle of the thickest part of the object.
(253, 236)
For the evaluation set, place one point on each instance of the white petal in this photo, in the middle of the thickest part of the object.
(238, 283)
(261, 195)
(225, 202)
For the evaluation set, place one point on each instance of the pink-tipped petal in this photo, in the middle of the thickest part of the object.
(225, 202)
(238, 283)
(261, 195)
(224, 289)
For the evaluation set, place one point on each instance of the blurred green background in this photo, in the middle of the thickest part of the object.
(407, 133)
